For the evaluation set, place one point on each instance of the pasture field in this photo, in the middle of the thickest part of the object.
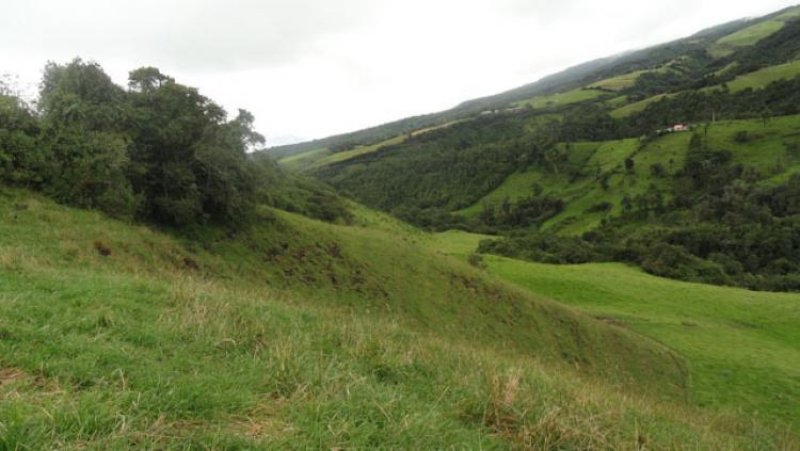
(619, 82)
(635, 107)
(768, 147)
(304, 334)
(563, 98)
(742, 346)
(762, 78)
(748, 36)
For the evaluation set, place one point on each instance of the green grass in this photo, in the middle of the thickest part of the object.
(766, 146)
(592, 160)
(520, 185)
(762, 78)
(308, 335)
(612, 154)
(742, 346)
(767, 150)
(625, 81)
(322, 157)
(635, 107)
(563, 98)
(747, 36)
(304, 159)
(617, 102)
(357, 151)
(726, 69)
(618, 83)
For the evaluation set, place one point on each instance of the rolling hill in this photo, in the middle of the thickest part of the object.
(607, 258)
(740, 345)
(591, 152)
(616, 71)
(305, 333)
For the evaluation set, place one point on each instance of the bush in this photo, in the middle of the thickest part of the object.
(476, 260)
(675, 262)
(741, 136)
(657, 170)
(601, 207)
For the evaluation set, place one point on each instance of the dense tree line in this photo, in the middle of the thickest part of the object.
(157, 151)
(528, 212)
(445, 169)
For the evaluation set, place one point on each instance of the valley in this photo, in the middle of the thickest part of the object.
(605, 258)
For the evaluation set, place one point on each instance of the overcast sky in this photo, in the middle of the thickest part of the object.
(312, 68)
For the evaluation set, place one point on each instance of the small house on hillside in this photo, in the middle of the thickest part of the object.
(674, 129)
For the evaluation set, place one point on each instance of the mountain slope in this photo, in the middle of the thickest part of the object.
(740, 345)
(288, 333)
(571, 78)
(638, 161)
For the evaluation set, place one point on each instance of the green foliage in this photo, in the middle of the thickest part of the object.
(83, 119)
(365, 338)
(190, 165)
(730, 233)
(22, 161)
(160, 152)
(297, 194)
(745, 37)
(544, 248)
(763, 77)
(564, 98)
(528, 212)
(446, 168)
(741, 345)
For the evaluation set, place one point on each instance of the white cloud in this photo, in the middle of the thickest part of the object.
(312, 68)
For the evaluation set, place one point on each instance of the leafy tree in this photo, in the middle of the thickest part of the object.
(83, 118)
(189, 164)
(21, 158)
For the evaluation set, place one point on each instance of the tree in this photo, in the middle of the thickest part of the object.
(147, 79)
(629, 164)
(21, 158)
(83, 117)
(190, 163)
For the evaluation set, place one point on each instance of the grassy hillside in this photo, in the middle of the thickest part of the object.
(764, 77)
(619, 82)
(562, 98)
(684, 61)
(748, 36)
(635, 107)
(741, 345)
(298, 161)
(317, 158)
(765, 147)
(562, 88)
(303, 333)
(752, 34)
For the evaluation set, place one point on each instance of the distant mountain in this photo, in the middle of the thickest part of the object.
(582, 74)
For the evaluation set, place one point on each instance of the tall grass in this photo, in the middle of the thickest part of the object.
(139, 348)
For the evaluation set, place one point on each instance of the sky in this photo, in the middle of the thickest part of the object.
(312, 68)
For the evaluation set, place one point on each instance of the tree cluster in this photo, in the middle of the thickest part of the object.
(158, 151)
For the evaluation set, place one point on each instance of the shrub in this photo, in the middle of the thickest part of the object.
(476, 260)
(741, 136)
